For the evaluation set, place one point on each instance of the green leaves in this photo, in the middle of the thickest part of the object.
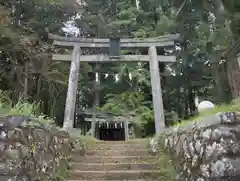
(126, 102)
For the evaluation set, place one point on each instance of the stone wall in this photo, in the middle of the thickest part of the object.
(32, 151)
(205, 150)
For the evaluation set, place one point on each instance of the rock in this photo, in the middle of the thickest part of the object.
(207, 149)
(205, 105)
(153, 144)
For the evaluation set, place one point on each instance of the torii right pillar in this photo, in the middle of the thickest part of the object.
(159, 118)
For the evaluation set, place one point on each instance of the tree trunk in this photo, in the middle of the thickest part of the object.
(191, 103)
(178, 103)
(39, 86)
(25, 93)
(217, 80)
(233, 72)
(186, 112)
(19, 86)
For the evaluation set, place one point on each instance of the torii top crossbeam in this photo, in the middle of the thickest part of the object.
(163, 41)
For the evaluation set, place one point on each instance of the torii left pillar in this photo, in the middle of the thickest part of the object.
(72, 89)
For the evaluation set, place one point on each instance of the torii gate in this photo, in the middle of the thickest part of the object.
(167, 41)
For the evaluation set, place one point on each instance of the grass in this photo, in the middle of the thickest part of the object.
(25, 109)
(87, 140)
(165, 165)
(221, 108)
(164, 162)
(22, 108)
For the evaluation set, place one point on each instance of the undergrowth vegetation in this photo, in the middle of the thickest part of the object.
(164, 160)
(25, 108)
(233, 107)
(22, 107)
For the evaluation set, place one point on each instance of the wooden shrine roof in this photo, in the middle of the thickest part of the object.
(111, 119)
(104, 117)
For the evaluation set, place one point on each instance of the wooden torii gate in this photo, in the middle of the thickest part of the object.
(152, 58)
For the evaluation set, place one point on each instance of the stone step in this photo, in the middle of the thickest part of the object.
(146, 140)
(132, 142)
(114, 159)
(114, 175)
(115, 148)
(127, 148)
(112, 166)
(115, 180)
(118, 146)
(138, 152)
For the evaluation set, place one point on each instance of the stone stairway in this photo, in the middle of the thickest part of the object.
(117, 160)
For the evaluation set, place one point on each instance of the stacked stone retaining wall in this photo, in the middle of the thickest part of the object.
(33, 151)
(207, 149)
